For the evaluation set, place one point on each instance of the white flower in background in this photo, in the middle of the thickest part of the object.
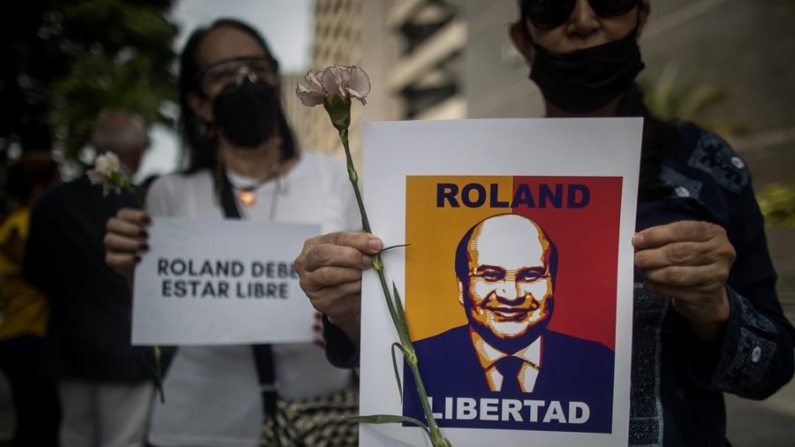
(107, 172)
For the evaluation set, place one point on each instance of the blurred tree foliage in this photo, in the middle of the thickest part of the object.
(777, 202)
(62, 61)
(689, 101)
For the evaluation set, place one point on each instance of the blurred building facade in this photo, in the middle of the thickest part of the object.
(412, 50)
(337, 41)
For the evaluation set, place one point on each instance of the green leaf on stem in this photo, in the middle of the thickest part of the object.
(159, 374)
(378, 265)
(397, 371)
(391, 247)
(399, 307)
(118, 179)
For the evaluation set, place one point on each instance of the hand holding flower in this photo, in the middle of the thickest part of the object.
(126, 238)
(330, 271)
(334, 87)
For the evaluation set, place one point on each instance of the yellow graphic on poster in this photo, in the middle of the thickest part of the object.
(511, 299)
(429, 227)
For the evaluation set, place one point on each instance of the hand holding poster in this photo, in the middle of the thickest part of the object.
(221, 282)
(517, 280)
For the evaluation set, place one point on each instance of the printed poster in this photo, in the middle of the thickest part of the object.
(517, 280)
(210, 282)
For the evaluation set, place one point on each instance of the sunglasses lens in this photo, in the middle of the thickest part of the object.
(552, 13)
(548, 13)
(610, 8)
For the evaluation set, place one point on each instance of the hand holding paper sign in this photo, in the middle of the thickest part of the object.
(334, 87)
(690, 263)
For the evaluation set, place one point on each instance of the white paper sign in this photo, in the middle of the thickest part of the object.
(221, 282)
(517, 280)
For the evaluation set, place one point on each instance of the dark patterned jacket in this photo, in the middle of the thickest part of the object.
(678, 381)
(90, 304)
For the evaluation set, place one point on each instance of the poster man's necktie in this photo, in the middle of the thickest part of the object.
(509, 368)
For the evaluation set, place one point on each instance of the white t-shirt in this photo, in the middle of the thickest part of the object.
(212, 392)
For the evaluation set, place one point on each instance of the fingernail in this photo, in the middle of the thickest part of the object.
(146, 219)
(144, 247)
(137, 259)
(144, 234)
(637, 239)
(375, 244)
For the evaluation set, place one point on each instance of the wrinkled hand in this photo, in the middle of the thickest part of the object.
(330, 270)
(689, 262)
(126, 240)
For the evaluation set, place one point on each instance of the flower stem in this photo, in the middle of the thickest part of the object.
(156, 352)
(158, 374)
(354, 177)
(423, 395)
(437, 439)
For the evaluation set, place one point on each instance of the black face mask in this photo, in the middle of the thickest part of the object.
(247, 113)
(588, 79)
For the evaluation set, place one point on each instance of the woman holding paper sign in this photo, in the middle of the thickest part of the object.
(707, 318)
(244, 163)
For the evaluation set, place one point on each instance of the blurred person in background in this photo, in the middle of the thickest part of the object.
(24, 310)
(707, 318)
(104, 383)
(244, 163)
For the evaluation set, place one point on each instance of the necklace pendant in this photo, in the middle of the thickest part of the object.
(247, 197)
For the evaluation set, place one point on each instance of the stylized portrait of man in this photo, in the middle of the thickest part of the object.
(506, 267)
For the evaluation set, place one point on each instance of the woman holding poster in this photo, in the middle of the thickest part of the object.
(707, 319)
(244, 163)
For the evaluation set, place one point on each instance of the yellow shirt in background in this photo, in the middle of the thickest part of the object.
(24, 308)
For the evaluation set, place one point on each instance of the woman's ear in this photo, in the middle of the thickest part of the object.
(200, 105)
(644, 9)
(522, 41)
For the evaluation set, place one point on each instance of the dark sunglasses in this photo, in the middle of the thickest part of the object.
(552, 13)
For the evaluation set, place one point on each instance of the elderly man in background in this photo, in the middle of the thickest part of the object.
(105, 385)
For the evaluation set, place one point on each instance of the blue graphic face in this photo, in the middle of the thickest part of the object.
(510, 284)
